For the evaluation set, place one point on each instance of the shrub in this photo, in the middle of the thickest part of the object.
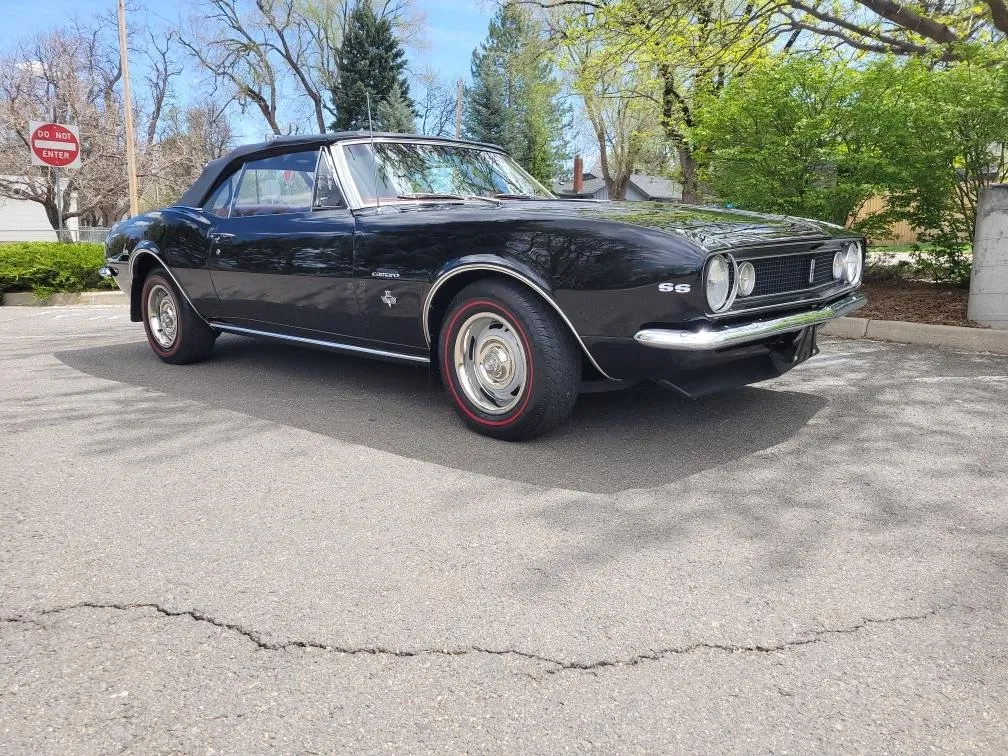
(882, 265)
(781, 139)
(945, 260)
(48, 267)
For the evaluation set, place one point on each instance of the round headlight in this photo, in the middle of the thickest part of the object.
(719, 285)
(839, 264)
(746, 279)
(852, 263)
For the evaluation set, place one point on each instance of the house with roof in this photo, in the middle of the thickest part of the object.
(640, 187)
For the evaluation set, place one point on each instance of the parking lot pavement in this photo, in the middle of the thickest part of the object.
(292, 550)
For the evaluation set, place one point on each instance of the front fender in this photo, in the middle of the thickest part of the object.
(499, 266)
(513, 264)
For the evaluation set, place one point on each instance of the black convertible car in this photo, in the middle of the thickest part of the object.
(446, 252)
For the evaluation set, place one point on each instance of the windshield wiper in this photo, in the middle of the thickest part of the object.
(445, 195)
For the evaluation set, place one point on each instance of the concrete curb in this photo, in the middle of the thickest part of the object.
(27, 299)
(953, 337)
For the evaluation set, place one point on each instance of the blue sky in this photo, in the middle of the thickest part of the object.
(454, 28)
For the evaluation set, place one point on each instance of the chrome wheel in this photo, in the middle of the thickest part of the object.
(162, 316)
(491, 363)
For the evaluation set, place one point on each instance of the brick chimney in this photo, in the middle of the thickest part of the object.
(578, 175)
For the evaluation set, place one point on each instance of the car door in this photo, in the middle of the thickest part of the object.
(282, 259)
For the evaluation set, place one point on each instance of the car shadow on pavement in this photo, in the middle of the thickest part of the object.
(644, 436)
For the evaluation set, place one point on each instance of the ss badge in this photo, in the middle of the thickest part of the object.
(677, 288)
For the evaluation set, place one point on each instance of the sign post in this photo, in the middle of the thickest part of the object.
(56, 145)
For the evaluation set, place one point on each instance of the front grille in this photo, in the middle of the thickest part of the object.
(779, 275)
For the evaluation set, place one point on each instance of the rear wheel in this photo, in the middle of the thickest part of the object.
(174, 331)
(508, 362)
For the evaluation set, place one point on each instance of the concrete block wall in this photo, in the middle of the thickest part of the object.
(988, 300)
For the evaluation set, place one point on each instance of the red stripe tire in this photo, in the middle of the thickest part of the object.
(174, 331)
(509, 364)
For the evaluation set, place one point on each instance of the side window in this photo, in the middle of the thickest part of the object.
(220, 202)
(277, 184)
(327, 188)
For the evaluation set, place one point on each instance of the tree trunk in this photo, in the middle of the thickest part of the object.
(688, 166)
(52, 214)
(675, 110)
(618, 187)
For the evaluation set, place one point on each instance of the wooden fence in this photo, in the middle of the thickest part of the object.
(899, 233)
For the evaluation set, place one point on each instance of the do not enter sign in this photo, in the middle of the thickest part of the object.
(54, 144)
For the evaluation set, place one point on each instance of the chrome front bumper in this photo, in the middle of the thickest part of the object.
(123, 282)
(729, 336)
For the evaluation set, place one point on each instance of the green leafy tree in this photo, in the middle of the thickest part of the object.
(949, 31)
(514, 100)
(371, 61)
(782, 139)
(660, 56)
(946, 132)
(817, 139)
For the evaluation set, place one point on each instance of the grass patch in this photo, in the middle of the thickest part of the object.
(45, 268)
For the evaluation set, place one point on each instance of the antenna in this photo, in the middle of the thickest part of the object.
(374, 154)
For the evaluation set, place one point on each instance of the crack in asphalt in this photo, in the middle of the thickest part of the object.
(21, 621)
(805, 638)
(811, 636)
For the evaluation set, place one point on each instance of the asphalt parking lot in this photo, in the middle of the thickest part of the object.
(291, 550)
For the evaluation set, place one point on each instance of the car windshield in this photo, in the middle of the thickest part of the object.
(418, 170)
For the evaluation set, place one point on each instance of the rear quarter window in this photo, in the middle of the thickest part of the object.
(220, 201)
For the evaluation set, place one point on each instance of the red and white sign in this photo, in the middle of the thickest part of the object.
(54, 144)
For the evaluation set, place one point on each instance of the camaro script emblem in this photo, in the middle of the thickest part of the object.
(388, 298)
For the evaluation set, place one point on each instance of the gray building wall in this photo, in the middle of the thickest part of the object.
(23, 220)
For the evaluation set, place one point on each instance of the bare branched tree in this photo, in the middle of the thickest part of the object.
(73, 75)
(278, 57)
(436, 104)
(193, 136)
(67, 76)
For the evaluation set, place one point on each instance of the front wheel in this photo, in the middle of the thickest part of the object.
(508, 362)
(175, 331)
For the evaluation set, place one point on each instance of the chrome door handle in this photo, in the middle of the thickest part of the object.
(222, 237)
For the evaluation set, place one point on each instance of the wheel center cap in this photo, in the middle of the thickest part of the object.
(495, 363)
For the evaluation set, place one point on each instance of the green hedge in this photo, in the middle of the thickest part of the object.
(48, 267)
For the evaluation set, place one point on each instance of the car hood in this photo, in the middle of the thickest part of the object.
(712, 228)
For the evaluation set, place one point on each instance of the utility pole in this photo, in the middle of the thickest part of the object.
(128, 115)
(458, 110)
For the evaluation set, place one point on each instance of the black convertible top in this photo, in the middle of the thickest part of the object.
(215, 169)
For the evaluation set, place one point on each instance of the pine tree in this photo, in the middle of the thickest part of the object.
(514, 99)
(371, 61)
(395, 114)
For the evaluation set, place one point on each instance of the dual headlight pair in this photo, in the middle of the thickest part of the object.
(724, 279)
(847, 264)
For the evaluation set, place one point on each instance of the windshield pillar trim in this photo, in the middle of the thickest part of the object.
(342, 168)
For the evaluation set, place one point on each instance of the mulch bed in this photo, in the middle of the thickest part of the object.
(915, 301)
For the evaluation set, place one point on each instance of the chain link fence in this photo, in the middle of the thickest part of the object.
(88, 234)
